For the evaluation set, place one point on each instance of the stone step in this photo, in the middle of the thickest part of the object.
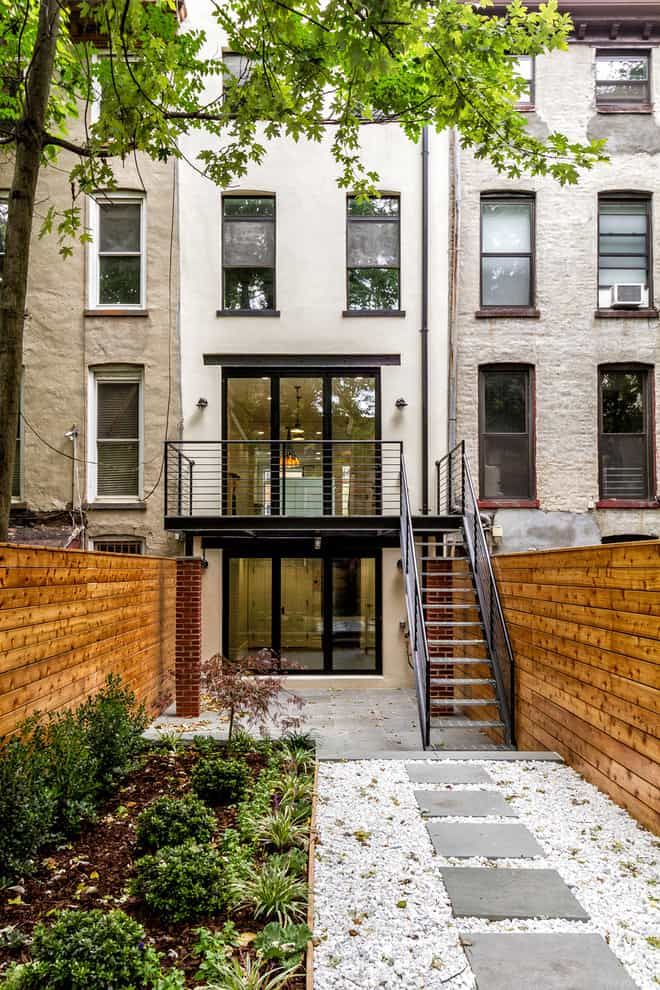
(447, 773)
(466, 840)
(463, 804)
(500, 895)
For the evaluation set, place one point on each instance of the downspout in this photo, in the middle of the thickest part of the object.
(424, 330)
(454, 247)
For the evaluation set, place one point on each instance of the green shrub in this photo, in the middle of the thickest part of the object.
(218, 780)
(296, 861)
(283, 944)
(91, 950)
(70, 770)
(171, 821)
(181, 883)
(281, 830)
(272, 892)
(205, 744)
(27, 804)
(114, 724)
(242, 743)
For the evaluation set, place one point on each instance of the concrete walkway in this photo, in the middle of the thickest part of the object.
(355, 724)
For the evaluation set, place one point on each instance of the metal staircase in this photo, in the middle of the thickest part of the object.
(459, 645)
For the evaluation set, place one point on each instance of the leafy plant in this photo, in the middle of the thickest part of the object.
(272, 892)
(250, 688)
(283, 944)
(205, 744)
(281, 830)
(242, 742)
(71, 770)
(237, 856)
(232, 974)
(27, 804)
(215, 948)
(114, 724)
(296, 861)
(171, 821)
(91, 950)
(174, 979)
(218, 780)
(299, 741)
(181, 883)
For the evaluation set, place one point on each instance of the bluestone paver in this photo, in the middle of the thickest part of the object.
(532, 961)
(480, 892)
(463, 804)
(492, 841)
(447, 773)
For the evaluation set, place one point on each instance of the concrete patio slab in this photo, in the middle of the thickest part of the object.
(544, 962)
(463, 804)
(447, 773)
(501, 755)
(496, 841)
(480, 892)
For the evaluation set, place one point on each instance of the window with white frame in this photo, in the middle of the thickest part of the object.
(118, 255)
(526, 72)
(116, 428)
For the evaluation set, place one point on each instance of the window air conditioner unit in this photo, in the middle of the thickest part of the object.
(628, 295)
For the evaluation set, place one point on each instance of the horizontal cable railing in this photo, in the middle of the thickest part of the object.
(455, 494)
(416, 626)
(258, 478)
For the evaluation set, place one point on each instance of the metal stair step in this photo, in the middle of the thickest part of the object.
(451, 623)
(471, 702)
(444, 591)
(446, 556)
(457, 642)
(464, 723)
(451, 605)
(460, 681)
(460, 660)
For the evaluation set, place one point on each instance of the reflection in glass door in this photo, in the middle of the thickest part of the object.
(319, 613)
(247, 461)
(301, 612)
(301, 460)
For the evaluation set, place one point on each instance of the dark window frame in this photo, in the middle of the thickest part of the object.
(331, 550)
(648, 393)
(374, 219)
(530, 381)
(631, 105)
(623, 197)
(102, 544)
(270, 310)
(508, 197)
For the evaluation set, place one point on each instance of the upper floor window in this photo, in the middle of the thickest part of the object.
(118, 259)
(116, 428)
(373, 254)
(507, 251)
(506, 433)
(625, 433)
(236, 65)
(623, 79)
(4, 213)
(248, 253)
(623, 252)
(526, 71)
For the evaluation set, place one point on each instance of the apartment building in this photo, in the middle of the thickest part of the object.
(100, 386)
(313, 354)
(554, 311)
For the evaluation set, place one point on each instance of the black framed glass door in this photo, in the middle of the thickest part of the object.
(319, 611)
(278, 460)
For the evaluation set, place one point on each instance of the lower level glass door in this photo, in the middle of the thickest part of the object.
(301, 614)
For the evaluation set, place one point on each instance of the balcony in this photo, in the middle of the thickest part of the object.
(282, 485)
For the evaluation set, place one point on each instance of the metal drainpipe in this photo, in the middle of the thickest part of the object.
(424, 330)
(455, 195)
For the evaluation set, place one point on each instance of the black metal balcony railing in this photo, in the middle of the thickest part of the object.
(261, 478)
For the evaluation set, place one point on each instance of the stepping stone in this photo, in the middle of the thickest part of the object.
(447, 773)
(466, 839)
(480, 892)
(463, 804)
(544, 962)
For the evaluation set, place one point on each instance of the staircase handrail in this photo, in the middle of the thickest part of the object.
(416, 627)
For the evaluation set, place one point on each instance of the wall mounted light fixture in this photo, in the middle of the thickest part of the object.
(202, 403)
(401, 403)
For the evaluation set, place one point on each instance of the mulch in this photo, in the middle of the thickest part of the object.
(93, 870)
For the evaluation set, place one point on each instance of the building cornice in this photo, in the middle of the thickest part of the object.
(607, 22)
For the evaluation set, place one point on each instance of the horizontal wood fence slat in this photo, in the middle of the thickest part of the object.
(69, 618)
(585, 629)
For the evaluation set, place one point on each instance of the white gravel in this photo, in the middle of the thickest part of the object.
(383, 919)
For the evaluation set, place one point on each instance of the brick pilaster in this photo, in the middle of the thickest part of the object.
(188, 635)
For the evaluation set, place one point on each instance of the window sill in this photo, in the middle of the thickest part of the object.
(526, 107)
(508, 503)
(116, 312)
(627, 314)
(622, 108)
(508, 313)
(373, 312)
(123, 506)
(247, 312)
(627, 503)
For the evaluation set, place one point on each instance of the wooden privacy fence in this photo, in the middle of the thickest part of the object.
(69, 618)
(585, 629)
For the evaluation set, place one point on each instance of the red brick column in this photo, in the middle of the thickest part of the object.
(188, 635)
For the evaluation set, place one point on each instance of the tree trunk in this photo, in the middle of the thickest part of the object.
(13, 291)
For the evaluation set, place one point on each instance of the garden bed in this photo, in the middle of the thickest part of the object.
(100, 868)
